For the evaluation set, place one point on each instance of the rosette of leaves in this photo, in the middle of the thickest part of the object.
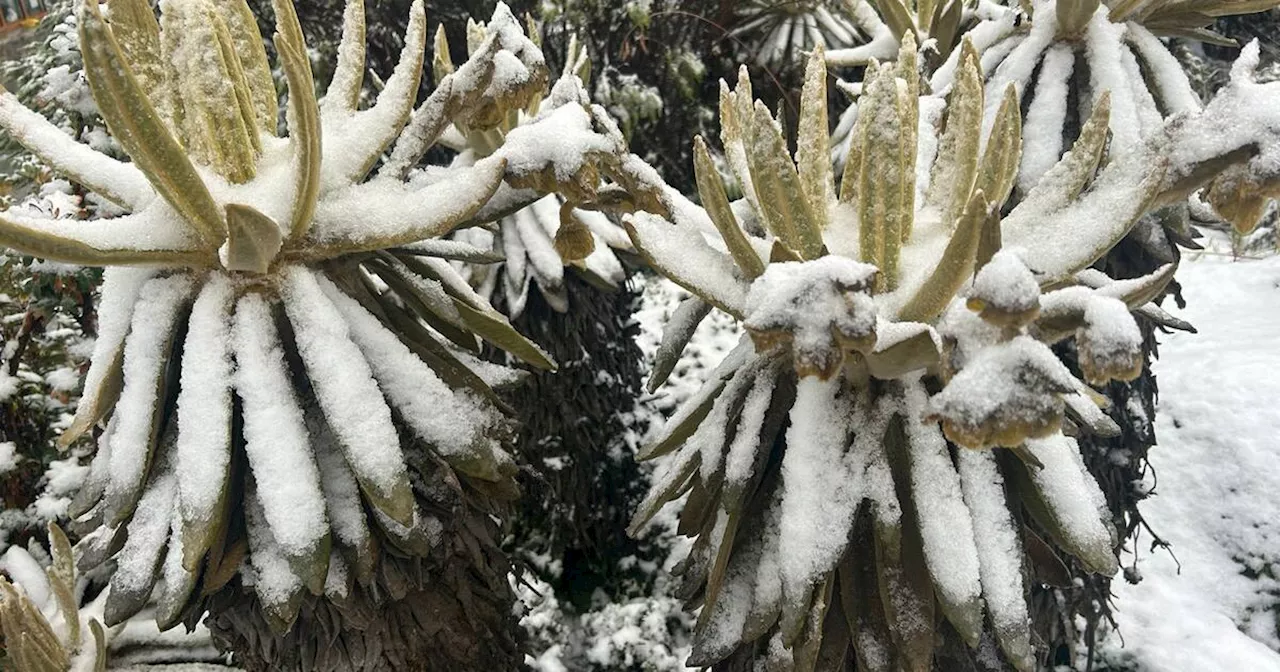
(779, 32)
(290, 432)
(864, 471)
(42, 626)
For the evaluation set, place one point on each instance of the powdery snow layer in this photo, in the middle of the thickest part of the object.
(1217, 478)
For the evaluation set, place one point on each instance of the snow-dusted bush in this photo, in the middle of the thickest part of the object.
(867, 456)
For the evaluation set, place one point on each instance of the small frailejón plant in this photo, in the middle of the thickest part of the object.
(561, 282)
(536, 245)
(42, 627)
(861, 469)
(290, 434)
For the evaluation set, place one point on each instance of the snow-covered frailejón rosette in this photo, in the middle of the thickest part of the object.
(281, 380)
(867, 455)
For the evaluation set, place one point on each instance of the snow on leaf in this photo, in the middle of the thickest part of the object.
(276, 439)
(946, 527)
(346, 391)
(138, 412)
(455, 423)
(203, 449)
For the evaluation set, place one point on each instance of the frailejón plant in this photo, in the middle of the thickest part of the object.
(288, 424)
(867, 457)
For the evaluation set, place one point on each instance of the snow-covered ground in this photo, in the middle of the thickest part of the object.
(1217, 484)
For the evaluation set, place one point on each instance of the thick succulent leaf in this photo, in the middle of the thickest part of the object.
(716, 203)
(213, 128)
(101, 243)
(355, 141)
(735, 130)
(912, 347)
(179, 583)
(119, 182)
(1003, 153)
(1065, 501)
(1074, 15)
(884, 209)
(493, 327)
(277, 443)
(784, 207)
(425, 298)
(955, 170)
(138, 563)
(352, 403)
(453, 250)
(395, 214)
(102, 384)
(946, 525)
(1075, 171)
(863, 602)
(304, 127)
(667, 482)
(136, 125)
(247, 41)
(138, 414)
(253, 240)
(676, 334)
(954, 268)
(348, 74)
(822, 487)
(813, 154)
(202, 458)
(1059, 244)
(690, 415)
(999, 555)
(278, 587)
(904, 584)
(681, 253)
(134, 24)
(895, 15)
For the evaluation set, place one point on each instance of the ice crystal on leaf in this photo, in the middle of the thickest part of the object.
(279, 330)
(859, 462)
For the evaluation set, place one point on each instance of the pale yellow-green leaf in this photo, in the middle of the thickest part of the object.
(136, 125)
(914, 353)
(895, 15)
(881, 201)
(96, 404)
(1075, 171)
(956, 167)
(716, 203)
(676, 334)
(1074, 15)
(999, 166)
(37, 243)
(441, 63)
(253, 240)
(134, 24)
(348, 74)
(785, 210)
(243, 27)
(495, 329)
(242, 90)
(214, 130)
(304, 133)
(813, 153)
(954, 268)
